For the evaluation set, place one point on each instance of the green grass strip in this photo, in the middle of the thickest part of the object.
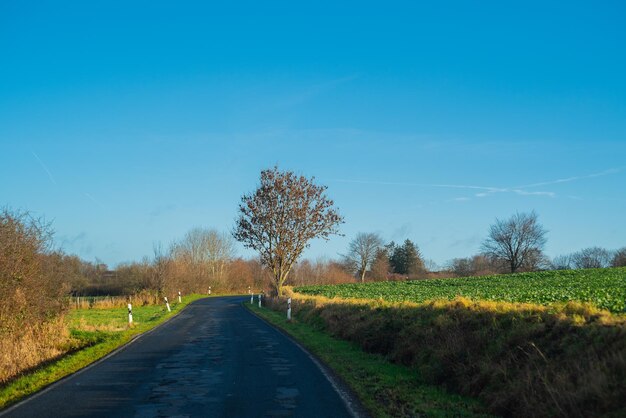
(385, 389)
(101, 344)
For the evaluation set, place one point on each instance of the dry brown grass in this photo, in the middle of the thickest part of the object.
(106, 302)
(84, 325)
(32, 346)
(523, 360)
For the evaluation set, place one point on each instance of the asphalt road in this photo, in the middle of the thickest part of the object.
(215, 359)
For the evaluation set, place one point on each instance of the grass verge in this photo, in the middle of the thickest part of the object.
(98, 332)
(385, 389)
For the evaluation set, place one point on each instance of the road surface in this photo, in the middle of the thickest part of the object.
(215, 359)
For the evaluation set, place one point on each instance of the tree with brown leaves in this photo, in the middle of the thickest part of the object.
(281, 216)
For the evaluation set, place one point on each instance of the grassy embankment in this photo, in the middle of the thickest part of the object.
(386, 389)
(547, 358)
(94, 333)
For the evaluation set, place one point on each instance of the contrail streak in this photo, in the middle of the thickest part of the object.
(90, 197)
(447, 186)
(574, 178)
(45, 168)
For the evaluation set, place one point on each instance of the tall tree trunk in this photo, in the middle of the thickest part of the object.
(279, 283)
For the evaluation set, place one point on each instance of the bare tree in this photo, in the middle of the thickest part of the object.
(202, 245)
(535, 260)
(281, 216)
(160, 264)
(205, 253)
(516, 240)
(461, 267)
(591, 258)
(361, 252)
(619, 258)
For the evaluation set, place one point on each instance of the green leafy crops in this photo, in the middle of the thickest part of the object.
(604, 288)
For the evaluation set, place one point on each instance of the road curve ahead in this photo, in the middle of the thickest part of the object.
(215, 359)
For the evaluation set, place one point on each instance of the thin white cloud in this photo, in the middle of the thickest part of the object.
(527, 193)
(399, 183)
(574, 178)
(314, 90)
(485, 191)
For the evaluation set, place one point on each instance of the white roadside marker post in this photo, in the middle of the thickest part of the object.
(130, 314)
(251, 295)
(289, 309)
(209, 290)
(179, 299)
(260, 294)
(167, 304)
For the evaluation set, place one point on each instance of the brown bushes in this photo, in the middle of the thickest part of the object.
(522, 360)
(318, 272)
(32, 296)
(29, 296)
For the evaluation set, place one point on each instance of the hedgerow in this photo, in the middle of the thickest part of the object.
(521, 360)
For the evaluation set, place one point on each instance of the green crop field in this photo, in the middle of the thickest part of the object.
(604, 288)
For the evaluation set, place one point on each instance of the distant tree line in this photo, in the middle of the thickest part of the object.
(589, 258)
(203, 258)
(368, 257)
(512, 245)
(278, 220)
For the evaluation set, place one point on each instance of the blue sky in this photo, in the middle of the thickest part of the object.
(128, 124)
